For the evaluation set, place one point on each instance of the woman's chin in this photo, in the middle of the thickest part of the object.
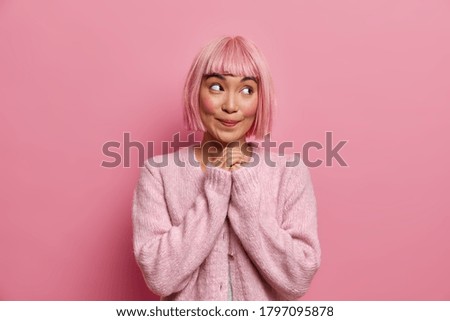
(227, 138)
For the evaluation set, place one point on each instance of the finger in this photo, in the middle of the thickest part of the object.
(229, 157)
(235, 167)
(235, 154)
(239, 159)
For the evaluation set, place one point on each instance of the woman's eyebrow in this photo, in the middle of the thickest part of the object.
(249, 78)
(220, 76)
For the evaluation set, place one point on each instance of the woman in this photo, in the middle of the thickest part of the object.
(226, 220)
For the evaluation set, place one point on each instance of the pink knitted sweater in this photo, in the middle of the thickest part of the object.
(193, 230)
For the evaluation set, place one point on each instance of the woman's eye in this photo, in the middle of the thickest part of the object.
(247, 90)
(215, 87)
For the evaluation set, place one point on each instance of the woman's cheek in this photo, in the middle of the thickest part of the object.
(250, 111)
(208, 105)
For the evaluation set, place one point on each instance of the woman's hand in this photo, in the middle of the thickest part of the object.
(230, 159)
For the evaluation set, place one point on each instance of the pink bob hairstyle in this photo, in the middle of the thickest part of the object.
(239, 57)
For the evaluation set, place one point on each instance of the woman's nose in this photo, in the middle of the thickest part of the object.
(230, 104)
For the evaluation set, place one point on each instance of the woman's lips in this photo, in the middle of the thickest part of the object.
(228, 123)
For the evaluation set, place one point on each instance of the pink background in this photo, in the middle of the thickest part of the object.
(74, 75)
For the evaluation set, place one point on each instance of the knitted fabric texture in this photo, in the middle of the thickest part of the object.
(192, 230)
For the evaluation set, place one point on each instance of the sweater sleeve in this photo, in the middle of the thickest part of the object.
(169, 255)
(287, 254)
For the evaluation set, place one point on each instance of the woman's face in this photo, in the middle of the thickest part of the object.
(228, 106)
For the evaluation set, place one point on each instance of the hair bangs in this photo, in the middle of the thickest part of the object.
(233, 57)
